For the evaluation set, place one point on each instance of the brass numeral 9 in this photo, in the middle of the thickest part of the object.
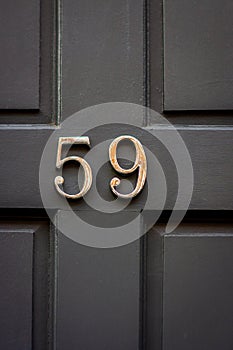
(140, 164)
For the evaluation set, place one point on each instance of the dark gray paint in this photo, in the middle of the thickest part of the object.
(97, 296)
(98, 291)
(16, 264)
(198, 55)
(42, 285)
(154, 67)
(197, 290)
(210, 150)
(19, 47)
(189, 275)
(25, 289)
(46, 60)
(102, 53)
(154, 290)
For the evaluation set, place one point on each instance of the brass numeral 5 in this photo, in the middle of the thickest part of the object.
(59, 180)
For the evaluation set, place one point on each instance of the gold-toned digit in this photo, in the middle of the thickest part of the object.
(140, 163)
(59, 180)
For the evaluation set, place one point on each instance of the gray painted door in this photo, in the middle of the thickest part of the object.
(164, 291)
(189, 272)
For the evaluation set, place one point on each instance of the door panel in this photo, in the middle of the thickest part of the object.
(16, 251)
(98, 296)
(189, 287)
(198, 55)
(102, 52)
(24, 271)
(19, 46)
(198, 288)
(28, 85)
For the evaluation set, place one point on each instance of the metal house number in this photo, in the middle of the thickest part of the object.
(140, 163)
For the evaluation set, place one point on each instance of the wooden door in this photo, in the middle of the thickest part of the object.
(189, 272)
(27, 96)
(57, 58)
(164, 291)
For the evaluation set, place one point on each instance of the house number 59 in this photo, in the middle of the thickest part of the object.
(140, 164)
